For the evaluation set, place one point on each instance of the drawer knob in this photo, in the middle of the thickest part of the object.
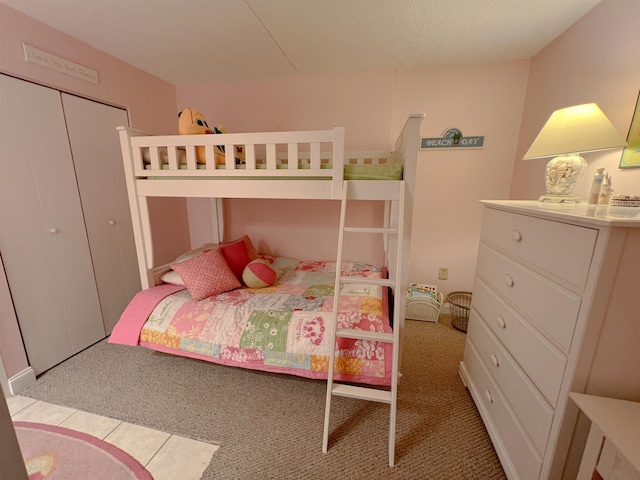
(494, 360)
(508, 280)
(53, 230)
(112, 222)
(516, 236)
(501, 322)
(487, 394)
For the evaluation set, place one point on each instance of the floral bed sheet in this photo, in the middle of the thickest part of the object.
(283, 328)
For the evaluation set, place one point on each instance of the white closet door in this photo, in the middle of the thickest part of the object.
(98, 163)
(42, 235)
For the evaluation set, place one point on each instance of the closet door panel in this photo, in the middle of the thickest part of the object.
(52, 226)
(55, 179)
(23, 232)
(101, 182)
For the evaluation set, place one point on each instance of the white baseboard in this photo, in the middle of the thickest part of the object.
(22, 380)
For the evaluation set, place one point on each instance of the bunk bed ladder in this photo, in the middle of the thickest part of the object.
(348, 390)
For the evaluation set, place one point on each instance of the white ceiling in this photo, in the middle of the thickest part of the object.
(201, 41)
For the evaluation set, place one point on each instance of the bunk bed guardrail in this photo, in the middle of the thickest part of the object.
(302, 155)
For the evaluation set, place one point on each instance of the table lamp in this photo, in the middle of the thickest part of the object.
(569, 132)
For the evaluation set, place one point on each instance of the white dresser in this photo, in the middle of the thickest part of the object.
(555, 308)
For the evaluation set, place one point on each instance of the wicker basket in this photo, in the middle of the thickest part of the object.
(459, 306)
(424, 308)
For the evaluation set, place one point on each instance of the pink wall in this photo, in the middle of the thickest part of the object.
(479, 100)
(373, 106)
(596, 60)
(151, 104)
(310, 103)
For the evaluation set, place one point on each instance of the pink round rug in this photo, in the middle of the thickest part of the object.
(52, 452)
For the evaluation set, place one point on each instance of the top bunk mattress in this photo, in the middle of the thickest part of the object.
(355, 171)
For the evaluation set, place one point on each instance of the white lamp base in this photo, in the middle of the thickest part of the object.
(559, 199)
(562, 175)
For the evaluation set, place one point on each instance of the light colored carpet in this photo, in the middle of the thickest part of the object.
(270, 426)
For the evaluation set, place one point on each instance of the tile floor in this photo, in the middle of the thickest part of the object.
(165, 456)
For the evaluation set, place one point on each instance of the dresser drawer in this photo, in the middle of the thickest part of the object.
(542, 362)
(530, 408)
(560, 249)
(545, 304)
(512, 441)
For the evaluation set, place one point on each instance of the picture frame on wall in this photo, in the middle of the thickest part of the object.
(631, 154)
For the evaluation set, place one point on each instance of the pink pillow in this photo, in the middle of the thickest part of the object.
(238, 254)
(207, 274)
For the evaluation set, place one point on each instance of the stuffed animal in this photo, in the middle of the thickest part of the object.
(192, 122)
(238, 149)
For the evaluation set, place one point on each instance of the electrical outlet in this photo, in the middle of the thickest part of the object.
(443, 273)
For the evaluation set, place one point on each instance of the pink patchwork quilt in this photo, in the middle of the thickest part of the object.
(284, 328)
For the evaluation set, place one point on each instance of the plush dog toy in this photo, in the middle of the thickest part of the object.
(192, 122)
(238, 149)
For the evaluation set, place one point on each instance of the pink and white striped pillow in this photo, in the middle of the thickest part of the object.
(207, 274)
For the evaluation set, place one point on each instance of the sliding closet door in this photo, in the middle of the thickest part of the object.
(98, 163)
(42, 234)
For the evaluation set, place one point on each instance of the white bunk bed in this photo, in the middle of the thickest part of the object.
(288, 165)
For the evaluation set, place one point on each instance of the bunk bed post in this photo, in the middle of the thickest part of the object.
(385, 239)
(217, 220)
(338, 161)
(146, 275)
(408, 143)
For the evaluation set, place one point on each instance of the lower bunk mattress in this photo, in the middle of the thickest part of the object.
(283, 328)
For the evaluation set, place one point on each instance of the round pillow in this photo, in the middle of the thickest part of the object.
(259, 273)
